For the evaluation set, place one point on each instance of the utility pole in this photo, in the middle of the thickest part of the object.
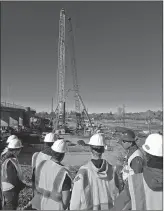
(123, 112)
(52, 106)
(149, 122)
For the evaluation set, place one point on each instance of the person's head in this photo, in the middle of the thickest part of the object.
(58, 150)
(127, 139)
(15, 146)
(153, 150)
(49, 139)
(97, 145)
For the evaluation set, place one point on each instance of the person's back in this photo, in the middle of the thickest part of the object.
(53, 181)
(99, 187)
(45, 154)
(94, 185)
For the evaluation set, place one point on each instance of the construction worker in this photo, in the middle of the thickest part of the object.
(133, 161)
(10, 138)
(46, 154)
(52, 181)
(144, 191)
(11, 175)
(94, 185)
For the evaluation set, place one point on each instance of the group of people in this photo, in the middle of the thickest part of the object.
(97, 185)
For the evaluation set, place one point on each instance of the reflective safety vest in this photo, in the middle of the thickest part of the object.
(38, 157)
(49, 180)
(93, 193)
(6, 185)
(127, 170)
(142, 197)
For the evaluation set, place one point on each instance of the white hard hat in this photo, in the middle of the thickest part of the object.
(49, 138)
(10, 138)
(97, 140)
(59, 146)
(15, 144)
(153, 145)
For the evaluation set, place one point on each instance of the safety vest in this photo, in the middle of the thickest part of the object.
(38, 157)
(142, 197)
(6, 185)
(49, 178)
(127, 170)
(96, 193)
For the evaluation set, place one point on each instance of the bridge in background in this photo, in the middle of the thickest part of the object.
(14, 115)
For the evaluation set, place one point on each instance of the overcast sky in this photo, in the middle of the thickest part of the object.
(118, 52)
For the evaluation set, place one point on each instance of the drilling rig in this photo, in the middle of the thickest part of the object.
(79, 120)
(60, 111)
(61, 100)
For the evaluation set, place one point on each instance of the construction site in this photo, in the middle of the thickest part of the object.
(32, 129)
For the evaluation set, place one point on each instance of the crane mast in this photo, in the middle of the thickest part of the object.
(61, 96)
(61, 72)
(74, 73)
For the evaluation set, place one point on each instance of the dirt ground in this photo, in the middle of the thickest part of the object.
(74, 158)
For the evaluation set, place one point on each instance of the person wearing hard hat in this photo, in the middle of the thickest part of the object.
(10, 138)
(94, 185)
(52, 181)
(133, 161)
(11, 175)
(46, 154)
(145, 190)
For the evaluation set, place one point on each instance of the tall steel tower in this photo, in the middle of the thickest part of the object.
(61, 71)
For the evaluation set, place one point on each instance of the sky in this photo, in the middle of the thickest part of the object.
(118, 49)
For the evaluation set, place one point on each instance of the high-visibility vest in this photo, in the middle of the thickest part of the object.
(6, 185)
(96, 193)
(49, 178)
(127, 170)
(38, 157)
(142, 197)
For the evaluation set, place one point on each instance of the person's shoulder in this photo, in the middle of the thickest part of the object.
(137, 159)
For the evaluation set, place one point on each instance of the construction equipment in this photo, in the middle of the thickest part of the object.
(79, 117)
(74, 74)
(61, 95)
(60, 114)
